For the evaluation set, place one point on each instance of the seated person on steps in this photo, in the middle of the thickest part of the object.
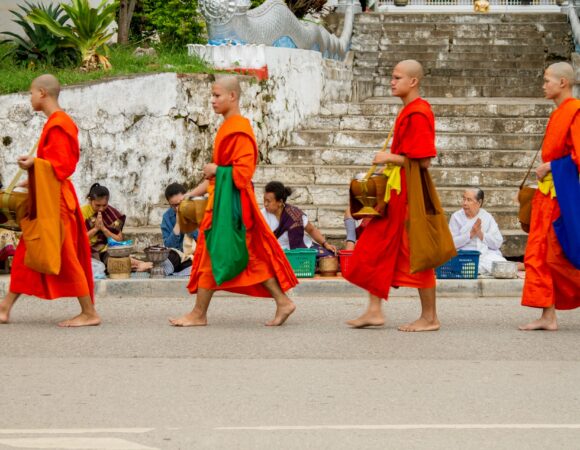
(102, 222)
(172, 235)
(473, 228)
(290, 224)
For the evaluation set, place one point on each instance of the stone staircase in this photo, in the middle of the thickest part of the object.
(483, 78)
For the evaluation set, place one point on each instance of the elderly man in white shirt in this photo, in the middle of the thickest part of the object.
(473, 228)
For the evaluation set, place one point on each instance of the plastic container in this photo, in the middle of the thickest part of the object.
(303, 261)
(344, 256)
(463, 266)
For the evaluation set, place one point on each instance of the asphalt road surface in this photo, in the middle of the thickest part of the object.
(135, 383)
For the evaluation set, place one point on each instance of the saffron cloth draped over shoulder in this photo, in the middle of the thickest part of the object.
(235, 145)
(381, 258)
(58, 145)
(551, 280)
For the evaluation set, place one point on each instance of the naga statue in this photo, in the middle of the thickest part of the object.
(272, 24)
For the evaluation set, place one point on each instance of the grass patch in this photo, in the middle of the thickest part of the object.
(14, 78)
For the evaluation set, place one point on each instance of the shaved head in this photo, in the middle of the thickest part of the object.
(562, 70)
(230, 83)
(412, 68)
(48, 83)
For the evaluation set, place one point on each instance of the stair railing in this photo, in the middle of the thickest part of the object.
(573, 10)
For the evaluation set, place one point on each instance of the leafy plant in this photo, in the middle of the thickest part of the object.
(89, 32)
(38, 45)
(175, 22)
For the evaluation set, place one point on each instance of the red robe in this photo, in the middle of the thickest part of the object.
(59, 146)
(551, 280)
(381, 258)
(235, 145)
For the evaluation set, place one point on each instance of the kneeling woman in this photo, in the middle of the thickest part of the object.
(473, 228)
(289, 223)
(102, 221)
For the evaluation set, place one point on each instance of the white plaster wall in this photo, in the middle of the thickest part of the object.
(139, 134)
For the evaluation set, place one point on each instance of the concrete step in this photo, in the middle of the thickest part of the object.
(443, 176)
(459, 19)
(386, 57)
(428, 46)
(442, 124)
(444, 141)
(176, 287)
(451, 40)
(337, 195)
(523, 90)
(447, 107)
(347, 156)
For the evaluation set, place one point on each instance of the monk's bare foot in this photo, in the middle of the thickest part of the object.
(282, 314)
(4, 315)
(421, 324)
(540, 324)
(367, 320)
(82, 320)
(193, 319)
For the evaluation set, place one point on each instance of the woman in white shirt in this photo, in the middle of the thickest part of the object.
(289, 223)
(473, 228)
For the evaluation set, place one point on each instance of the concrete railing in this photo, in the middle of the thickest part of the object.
(573, 10)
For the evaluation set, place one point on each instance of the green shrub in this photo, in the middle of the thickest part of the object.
(177, 22)
(38, 45)
(89, 32)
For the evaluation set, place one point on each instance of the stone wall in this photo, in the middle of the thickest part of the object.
(139, 134)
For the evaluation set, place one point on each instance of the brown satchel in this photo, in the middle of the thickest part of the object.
(525, 196)
(429, 236)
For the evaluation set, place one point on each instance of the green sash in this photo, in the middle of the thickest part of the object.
(226, 239)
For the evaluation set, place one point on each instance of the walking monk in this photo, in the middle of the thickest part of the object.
(382, 256)
(267, 272)
(552, 281)
(56, 160)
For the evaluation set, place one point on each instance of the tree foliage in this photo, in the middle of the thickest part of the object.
(176, 22)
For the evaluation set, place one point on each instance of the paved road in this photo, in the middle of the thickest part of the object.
(136, 383)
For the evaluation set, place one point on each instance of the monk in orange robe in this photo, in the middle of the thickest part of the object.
(268, 273)
(381, 258)
(59, 146)
(552, 282)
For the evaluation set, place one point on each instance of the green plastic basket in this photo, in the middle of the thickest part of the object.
(303, 261)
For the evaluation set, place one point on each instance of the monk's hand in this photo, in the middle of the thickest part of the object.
(210, 170)
(381, 158)
(25, 162)
(543, 170)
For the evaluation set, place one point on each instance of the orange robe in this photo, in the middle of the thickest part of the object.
(59, 146)
(551, 280)
(381, 258)
(235, 145)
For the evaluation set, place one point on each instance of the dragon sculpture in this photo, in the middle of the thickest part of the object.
(272, 24)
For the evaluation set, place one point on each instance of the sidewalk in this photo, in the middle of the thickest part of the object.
(309, 287)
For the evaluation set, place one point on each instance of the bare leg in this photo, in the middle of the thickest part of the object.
(547, 322)
(6, 306)
(428, 320)
(88, 316)
(198, 315)
(284, 306)
(372, 317)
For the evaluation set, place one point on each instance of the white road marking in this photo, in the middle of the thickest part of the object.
(68, 443)
(75, 430)
(435, 426)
